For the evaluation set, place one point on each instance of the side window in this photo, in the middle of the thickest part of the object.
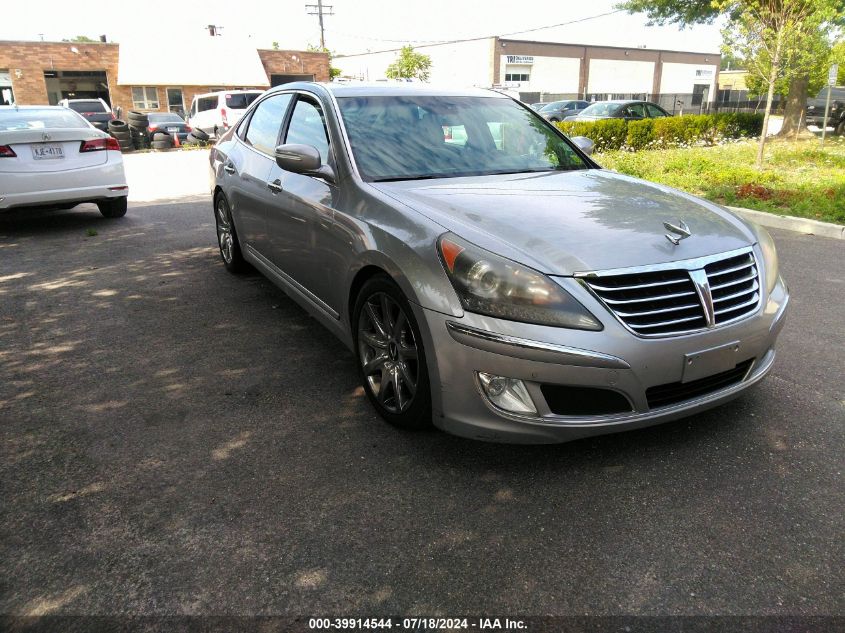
(265, 123)
(654, 111)
(207, 103)
(307, 127)
(636, 110)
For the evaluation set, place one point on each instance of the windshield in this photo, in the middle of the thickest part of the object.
(38, 119)
(601, 109)
(93, 105)
(556, 105)
(414, 137)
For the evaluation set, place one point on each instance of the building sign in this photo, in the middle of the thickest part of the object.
(520, 59)
(704, 73)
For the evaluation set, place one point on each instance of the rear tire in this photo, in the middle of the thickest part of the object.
(113, 208)
(227, 237)
(118, 126)
(199, 134)
(391, 358)
(840, 129)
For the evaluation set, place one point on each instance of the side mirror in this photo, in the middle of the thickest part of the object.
(584, 144)
(303, 159)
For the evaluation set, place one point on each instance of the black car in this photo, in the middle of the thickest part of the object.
(836, 113)
(559, 110)
(95, 111)
(169, 122)
(620, 109)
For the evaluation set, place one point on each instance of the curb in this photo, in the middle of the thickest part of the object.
(791, 223)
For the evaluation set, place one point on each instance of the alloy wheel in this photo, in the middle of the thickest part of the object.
(388, 352)
(224, 230)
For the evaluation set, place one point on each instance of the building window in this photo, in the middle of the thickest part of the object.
(517, 77)
(174, 100)
(145, 98)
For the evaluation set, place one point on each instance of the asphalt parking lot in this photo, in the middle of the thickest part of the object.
(178, 440)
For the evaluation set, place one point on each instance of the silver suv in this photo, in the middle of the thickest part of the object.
(489, 276)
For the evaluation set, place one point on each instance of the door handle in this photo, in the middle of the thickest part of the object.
(229, 169)
(275, 186)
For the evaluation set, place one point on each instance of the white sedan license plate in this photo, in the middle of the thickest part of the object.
(173, 129)
(47, 152)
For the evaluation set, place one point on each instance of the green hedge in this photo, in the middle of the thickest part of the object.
(692, 129)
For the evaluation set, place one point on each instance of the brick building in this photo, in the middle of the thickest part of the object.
(134, 77)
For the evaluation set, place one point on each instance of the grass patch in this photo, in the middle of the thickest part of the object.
(798, 178)
(91, 232)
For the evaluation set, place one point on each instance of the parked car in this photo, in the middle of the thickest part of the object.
(216, 112)
(559, 110)
(630, 110)
(52, 157)
(836, 113)
(169, 122)
(504, 290)
(537, 106)
(96, 111)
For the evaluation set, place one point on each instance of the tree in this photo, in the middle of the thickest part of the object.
(333, 72)
(410, 65)
(689, 12)
(275, 45)
(837, 56)
(769, 35)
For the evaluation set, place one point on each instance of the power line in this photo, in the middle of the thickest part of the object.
(474, 39)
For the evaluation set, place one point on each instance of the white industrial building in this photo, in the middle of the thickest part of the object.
(546, 70)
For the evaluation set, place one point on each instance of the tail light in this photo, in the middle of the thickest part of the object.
(99, 144)
(188, 128)
(223, 116)
(7, 152)
(152, 127)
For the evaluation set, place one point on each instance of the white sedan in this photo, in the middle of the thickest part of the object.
(52, 157)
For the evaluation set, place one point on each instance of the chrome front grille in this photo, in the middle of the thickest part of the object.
(734, 286)
(680, 297)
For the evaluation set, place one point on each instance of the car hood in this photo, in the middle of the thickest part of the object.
(566, 222)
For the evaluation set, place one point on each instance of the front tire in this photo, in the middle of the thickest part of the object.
(114, 208)
(840, 129)
(227, 238)
(390, 354)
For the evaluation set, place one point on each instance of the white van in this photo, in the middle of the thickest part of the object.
(216, 112)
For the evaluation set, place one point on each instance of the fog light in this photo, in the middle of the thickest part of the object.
(506, 393)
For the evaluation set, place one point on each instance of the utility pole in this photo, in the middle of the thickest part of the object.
(320, 10)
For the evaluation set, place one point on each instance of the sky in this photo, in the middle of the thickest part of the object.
(355, 26)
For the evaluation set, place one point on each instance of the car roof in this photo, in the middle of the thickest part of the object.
(229, 92)
(34, 107)
(378, 89)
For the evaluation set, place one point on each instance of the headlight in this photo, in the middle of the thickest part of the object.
(770, 257)
(492, 285)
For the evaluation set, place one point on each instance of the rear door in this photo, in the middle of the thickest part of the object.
(246, 171)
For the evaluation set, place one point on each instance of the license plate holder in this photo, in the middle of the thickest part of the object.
(43, 151)
(173, 129)
(711, 361)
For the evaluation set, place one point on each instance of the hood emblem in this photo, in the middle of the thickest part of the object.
(681, 229)
(45, 136)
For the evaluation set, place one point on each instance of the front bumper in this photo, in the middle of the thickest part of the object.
(613, 359)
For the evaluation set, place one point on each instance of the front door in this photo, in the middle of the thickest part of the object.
(300, 218)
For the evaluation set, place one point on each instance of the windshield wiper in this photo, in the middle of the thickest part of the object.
(398, 178)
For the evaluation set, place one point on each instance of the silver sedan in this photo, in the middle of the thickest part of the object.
(490, 277)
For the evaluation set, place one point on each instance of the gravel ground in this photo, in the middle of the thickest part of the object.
(178, 440)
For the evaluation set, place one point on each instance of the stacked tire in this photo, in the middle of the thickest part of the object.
(196, 137)
(161, 140)
(120, 130)
(139, 126)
